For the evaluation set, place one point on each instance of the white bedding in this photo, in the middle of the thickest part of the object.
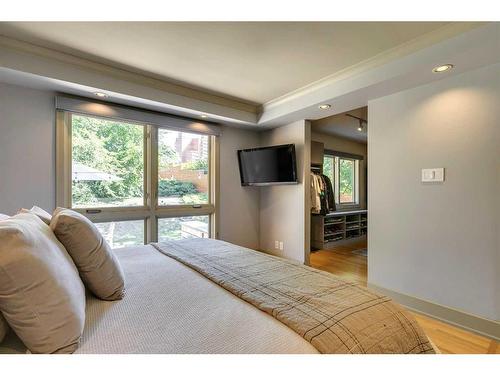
(170, 308)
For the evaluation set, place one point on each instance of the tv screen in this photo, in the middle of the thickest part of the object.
(268, 165)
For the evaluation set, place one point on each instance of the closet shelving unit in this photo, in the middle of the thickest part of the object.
(338, 228)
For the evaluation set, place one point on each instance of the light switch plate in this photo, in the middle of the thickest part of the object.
(433, 175)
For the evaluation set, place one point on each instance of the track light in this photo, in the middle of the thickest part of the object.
(362, 121)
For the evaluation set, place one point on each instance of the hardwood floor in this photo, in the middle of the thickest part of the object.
(453, 340)
(341, 261)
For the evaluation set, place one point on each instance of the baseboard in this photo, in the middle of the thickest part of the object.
(476, 324)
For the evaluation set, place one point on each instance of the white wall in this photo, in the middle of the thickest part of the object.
(438, 242)
(27, 152)
(345, 145)
(27, 164)
(283, 208)
(239, 206)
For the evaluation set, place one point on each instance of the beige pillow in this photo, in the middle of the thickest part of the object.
(98, 266)
(40, 212)
(3, 327)
(41, 295)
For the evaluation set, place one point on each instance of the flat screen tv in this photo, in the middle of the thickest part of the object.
(263, 166)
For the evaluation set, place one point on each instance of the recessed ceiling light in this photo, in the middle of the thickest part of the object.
(325, 106)
(203, 116)
(442, 68)
(101, 94)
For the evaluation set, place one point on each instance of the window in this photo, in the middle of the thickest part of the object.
(343, 171)
(346, 188)
(175, 228)
(123, 233)
(137, 181)
(182, 168)
(107, 163)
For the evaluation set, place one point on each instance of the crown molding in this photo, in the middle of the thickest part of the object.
(396, 69)
(123, 74)
(378, 60)
(468, 50)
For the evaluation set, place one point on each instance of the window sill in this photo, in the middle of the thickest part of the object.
(348, 207)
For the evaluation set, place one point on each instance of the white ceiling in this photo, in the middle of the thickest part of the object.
(344, 126)
(466, 45)
(253, 62)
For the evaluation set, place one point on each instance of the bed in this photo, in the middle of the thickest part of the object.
(175, 305)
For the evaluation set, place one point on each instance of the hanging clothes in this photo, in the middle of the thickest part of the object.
(315, 194)
(322, 194)
(329, 194)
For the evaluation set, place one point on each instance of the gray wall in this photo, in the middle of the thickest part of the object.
(284, 214)
(437, 242)
(27, 164)
(27, 152)
(345, 145)
(239, 206)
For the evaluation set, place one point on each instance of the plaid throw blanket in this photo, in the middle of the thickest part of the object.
(335, 316)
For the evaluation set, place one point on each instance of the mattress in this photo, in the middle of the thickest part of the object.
(336, 316)
(170, 308)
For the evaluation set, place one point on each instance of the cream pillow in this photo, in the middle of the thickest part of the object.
(40, 212)
(98, 266)
(3, 327)
(41, 295)
(3, 324)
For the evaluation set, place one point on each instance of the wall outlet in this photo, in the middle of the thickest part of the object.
(281, 245)
(276, 245)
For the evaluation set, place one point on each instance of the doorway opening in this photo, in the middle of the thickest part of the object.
(339, 216)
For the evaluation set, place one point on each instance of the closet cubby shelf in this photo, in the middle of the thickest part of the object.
(336, 227)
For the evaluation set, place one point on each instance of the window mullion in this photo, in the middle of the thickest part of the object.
(214, 187)
(337, 179)
(152, 232)
(356, 182)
